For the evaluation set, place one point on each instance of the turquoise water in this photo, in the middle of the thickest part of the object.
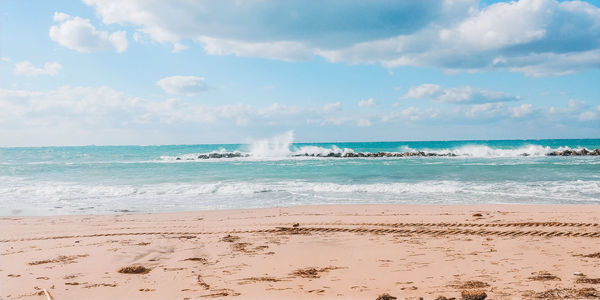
(109, 179)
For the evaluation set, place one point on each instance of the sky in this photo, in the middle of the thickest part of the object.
(148, 72)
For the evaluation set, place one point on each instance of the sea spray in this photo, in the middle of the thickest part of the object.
(274, 147)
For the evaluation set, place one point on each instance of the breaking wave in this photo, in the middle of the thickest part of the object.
(60, 196)
(283, 147)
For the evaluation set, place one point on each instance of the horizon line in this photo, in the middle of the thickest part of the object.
(313, 142)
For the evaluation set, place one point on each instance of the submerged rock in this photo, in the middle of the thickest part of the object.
(570, 152)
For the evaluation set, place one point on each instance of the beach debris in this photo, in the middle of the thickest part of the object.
(198, 259)
(588, 280)
(135, 269)
(230, 238)
(47, 294)
(261, 247)
(61, 259)
(592, 255)
(588, 293)
(578, 274)
(386, 296)
(473, 284)
(543, 276)
(585, 293)
(241, 247)
(296, 225)
(445, 298)
(258, 279)
(311, 272)
(202, 283)
(221, 293)
(89, 286)
(477, 215)
(187, 237)
(473, 295)
(13, 275)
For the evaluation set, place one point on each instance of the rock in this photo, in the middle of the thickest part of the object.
(569, 152)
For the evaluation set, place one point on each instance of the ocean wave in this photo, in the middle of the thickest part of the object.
(52, 197)
(282, 147)
(24, 189)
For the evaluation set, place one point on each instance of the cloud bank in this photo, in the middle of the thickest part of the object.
(104, 115)
(535, 37)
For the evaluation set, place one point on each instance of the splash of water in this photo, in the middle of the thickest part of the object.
(277, 146)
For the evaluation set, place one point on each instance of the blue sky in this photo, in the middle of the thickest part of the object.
(187, 72)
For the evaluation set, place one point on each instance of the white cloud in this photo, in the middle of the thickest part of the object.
(425, 90)
(536, 37)
(464, 94)
(520, 111)
(177, 47)
(486, 110)
(362, 122)
(104, 106)
(85, 115)
(367, 103)
(28, 69)
(587, 116)
(185, 85)
(80, 35)
(282, 50)
(330, 107)
(412, 113)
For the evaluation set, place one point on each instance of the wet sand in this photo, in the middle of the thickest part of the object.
(310, 252)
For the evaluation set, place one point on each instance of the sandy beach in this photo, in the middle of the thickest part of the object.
(308, 252)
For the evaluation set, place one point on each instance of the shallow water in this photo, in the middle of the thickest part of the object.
(108, 179)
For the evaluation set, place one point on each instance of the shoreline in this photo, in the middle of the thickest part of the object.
(353, 251)
(315, 206)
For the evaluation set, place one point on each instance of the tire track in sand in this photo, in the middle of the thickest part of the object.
(359, 229)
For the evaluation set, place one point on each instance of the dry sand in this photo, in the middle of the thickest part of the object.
(312, 252)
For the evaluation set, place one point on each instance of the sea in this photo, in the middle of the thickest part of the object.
(277, 172)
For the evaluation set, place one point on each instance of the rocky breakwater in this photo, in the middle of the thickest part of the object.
(570, 152)
(215, 155)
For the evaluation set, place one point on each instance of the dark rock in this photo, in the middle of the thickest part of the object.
(569, 152)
